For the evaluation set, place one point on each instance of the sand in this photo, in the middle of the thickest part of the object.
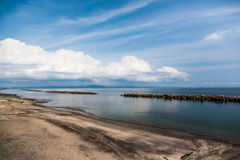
(29, 131)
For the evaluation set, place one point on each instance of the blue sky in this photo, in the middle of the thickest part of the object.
(142, 43)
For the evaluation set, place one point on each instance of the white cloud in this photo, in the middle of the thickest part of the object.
(207, 83)
(216, 67)
(146, 78)
(235, 83)
(213, 36)
(74, 38)
(21, 60)
(96, 80)
(229, 33)
(220, 12)
(172, 73)
(104, 15)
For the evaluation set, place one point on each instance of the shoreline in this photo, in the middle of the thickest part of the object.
(172, 132)
(166, 131)
(113, 139)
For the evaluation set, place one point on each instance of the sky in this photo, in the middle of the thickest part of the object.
(161, 43)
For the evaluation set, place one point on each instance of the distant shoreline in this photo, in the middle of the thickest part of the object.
(100, 86)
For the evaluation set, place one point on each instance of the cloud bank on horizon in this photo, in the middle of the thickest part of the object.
(68, 64)
(124, 42)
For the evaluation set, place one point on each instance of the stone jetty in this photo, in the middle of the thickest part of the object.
(68, 92)
(33, 90)
(215, 98)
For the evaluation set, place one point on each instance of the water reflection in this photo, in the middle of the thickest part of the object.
(206, 117)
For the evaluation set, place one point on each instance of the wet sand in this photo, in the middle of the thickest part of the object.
(29, 131)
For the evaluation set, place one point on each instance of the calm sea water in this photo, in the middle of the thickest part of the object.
(221, 120)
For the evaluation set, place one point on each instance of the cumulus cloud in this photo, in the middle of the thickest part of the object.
(172, 73)
(21, 60)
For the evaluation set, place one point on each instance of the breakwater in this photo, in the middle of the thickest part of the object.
(66, 92)
(215, 98)
(33, 90)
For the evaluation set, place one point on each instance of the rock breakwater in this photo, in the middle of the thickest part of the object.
(33, 90)
(68, 92)
(215, 98)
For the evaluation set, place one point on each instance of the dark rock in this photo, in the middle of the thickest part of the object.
(202, 97)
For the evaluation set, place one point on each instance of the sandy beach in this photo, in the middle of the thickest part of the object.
(33, 132)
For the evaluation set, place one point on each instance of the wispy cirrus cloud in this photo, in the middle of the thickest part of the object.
(195, 16)
(208, 83)
(217, 67)
(214, 36)
(159, 21)
(97, 34)
(218, 35)
(103, 15)
(220, 12)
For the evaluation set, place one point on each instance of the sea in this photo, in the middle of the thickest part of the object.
(210, 119)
